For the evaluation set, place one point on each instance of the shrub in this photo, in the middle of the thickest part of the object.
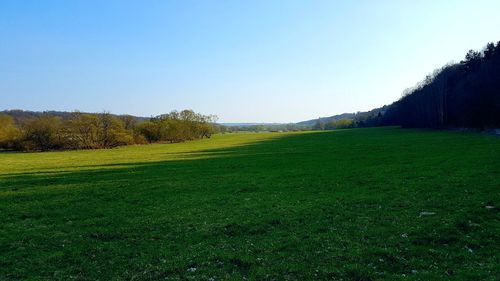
(9, 132)
(104, 130)
(42, 133)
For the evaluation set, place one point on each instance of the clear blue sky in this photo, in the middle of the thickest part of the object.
(246, 61)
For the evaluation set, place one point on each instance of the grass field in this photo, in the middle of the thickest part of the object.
(362, 204)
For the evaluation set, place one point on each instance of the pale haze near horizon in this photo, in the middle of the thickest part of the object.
(253, 61)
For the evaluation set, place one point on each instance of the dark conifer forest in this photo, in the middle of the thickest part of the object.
(464, 94)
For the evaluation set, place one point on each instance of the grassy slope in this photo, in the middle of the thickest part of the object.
(333, 205)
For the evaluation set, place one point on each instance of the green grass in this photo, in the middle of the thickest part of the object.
(340, 205)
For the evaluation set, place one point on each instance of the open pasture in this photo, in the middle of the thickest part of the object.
(361, 204)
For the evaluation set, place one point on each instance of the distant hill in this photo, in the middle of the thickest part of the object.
(362, 118)
(21, 115)
(327, 119)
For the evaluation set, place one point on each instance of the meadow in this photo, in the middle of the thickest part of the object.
(360, 204)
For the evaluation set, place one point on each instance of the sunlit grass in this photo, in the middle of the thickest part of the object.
(59, 161)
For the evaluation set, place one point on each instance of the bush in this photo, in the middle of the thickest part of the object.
(42, 133)
(104, 130)
(9, 133)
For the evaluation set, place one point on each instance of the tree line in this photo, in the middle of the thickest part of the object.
(78, 130)
(343, 123)
(265, 128)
